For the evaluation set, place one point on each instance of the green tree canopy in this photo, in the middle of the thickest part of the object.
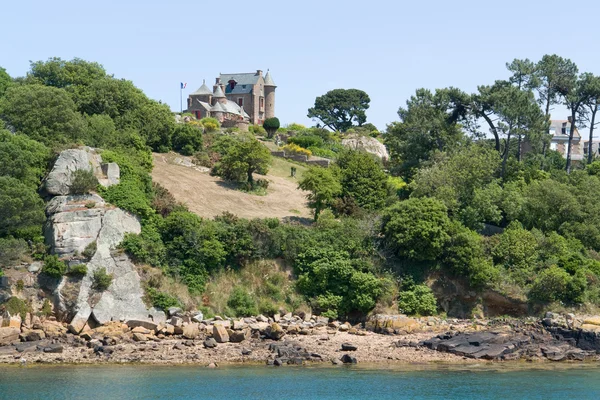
(323, 186)
(271, 125)
(46, 114)
(23, 158)
(5, 81)
(339, 109)
(21, 209)
(363, 179)
(243, 158)
(417, 228)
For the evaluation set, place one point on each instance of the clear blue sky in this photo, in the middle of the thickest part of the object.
(386, 48)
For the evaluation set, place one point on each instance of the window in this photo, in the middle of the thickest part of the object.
(241, 101)
(552, 131)
(553, 146)
(262, 103)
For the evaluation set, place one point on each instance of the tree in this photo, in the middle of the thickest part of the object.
(21, 209)
(43, 113)
(246, 156)
(592, 87)
(187, 139)
(339, 109)
(417, 228)
(576, 94)
(509, 111)
(363, 179)
(5, 81)
(323, 186)
(63, 74)
(271, 125)
(23, 158)
(428, 124)
(554, 76)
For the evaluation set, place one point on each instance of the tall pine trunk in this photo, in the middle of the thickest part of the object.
(570, 148)
(590, 147)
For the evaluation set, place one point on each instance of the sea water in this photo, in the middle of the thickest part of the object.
(262, 382)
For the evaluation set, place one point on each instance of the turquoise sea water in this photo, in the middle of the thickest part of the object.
(261, 382)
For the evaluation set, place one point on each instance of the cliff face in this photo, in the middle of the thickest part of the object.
(85, 224)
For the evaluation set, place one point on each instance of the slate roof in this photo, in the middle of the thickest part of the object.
(204, 105)
(218, 92)
(238, 89)
(557, 126)
(250, 78)
(202, 90)
(269, 79)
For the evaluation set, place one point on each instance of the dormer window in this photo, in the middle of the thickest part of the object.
(232, 84)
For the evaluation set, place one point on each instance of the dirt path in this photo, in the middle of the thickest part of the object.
(209, 196)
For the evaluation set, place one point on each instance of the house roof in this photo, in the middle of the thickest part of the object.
(204, 105)
(269, 79)
(218, 107)
(218, 92)
(558, 124)
(250, 78)
(238, 89)
(202, 90)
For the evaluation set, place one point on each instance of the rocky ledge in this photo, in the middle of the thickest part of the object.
(298, 339)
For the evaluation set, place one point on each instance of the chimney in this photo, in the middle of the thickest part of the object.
(218, 81)
(569, 119)
(259, 72)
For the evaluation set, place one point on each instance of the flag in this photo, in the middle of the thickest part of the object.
(183, 85)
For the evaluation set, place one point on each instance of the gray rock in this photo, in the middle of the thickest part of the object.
(112, 174)
(199, 317)
(348, 359)
(246, 351)
(174, 311)
(210, 343)
(134, 323)
(349, 347)
(9, 335)
(368, 144)
(34, 267)
(53, 348)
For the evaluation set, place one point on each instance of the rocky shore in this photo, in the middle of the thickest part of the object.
(188, 338)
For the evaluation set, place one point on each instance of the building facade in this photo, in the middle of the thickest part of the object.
(236, 99)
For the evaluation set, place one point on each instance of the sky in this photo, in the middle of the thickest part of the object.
(386, 48)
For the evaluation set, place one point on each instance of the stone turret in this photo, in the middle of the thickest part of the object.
(269, 96)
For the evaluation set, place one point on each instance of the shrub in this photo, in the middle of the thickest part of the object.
(257, 130)
(241, 303)
(210, 124)
(161, 300)
(83, 181)
(187, 139)
(54, 267)
(90, 250)
(417, 228)
(271, 125)
(418, 300)
(550, 285)
(129, 196)
(79, 270)
(21, 209)
(13, 251)
(90, 204)
(15, 306)
(101, 280)
(162, 200)
(306, 141)
(147, 247)
(20, 285)
(46, 309)
(294, 149)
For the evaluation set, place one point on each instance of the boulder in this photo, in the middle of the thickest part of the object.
(9, 335)
(239, 336)
(348, 359)
(595, 320)
(198, 317)
(53, 348)
(141, 329)
(15, 322)
(139, 337)
(348, 347)
(275, 331)
(392, 323)
(111, 174)
(210, 343)
(33, 335)
(135, 323)
(34, 267)
(191, 331)
(368, 144)
(174, 311)
(220, 334)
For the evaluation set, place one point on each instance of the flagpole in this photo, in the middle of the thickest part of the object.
(181, 97)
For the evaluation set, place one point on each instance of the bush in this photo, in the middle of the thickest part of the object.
(187, 139)
(16, 306)
(294, 149)
(306, 141)
(161, 300)
(83, 181)
(417, 228)
(21, 210)
(13, 251)
(78, 270)
(241, 303)
(54, 267)
(101, 280)
(210, 124)
(550, 285)
(90, 204)
(129, 196)
(90, 250)
(418, 300)
(46, 310)
(147, 247)
(271, 125)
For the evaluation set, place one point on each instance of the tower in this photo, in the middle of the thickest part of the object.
(269, 96)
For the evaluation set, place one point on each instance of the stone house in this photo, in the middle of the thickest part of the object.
(560, 131)
(235, 99)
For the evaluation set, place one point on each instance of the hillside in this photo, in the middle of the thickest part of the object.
(209, 196)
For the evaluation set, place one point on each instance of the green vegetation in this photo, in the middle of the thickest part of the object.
(79, 270)
(16, 306)
(452, 202)
(271, 125)
(101, 280)
(338, 109)
(54, 267)
(83, 181)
